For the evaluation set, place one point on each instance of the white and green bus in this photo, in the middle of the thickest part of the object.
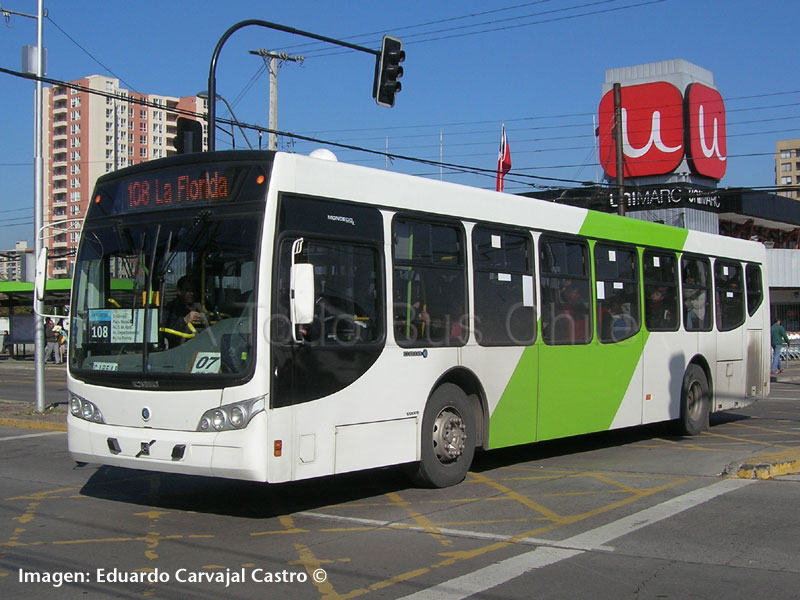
(275, 317)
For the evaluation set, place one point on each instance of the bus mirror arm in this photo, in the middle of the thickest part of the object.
(301, 297)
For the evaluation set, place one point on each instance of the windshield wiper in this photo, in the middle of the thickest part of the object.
(201, 218)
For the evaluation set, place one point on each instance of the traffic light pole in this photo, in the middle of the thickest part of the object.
(212, 77)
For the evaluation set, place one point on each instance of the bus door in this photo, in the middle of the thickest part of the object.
(343, 334)
(729, 300)
(757, 346)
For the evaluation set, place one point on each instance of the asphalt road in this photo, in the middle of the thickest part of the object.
(17, 382)
(628, 514)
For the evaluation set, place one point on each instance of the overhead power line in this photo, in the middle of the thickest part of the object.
(305, 138)
(89, 54)
(457, 168)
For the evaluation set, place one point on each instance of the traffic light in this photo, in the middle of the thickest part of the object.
(388, 71)
(189, 137)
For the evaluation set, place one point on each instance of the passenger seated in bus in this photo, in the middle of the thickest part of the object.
(411, 322)
(660, 307)
(694, 302)
(571, 319)
(616, 322)
(183, 315)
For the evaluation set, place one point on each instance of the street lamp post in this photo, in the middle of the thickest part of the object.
(205, 96)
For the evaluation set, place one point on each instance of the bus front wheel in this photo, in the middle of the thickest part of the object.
(695, 402)
(448, 439)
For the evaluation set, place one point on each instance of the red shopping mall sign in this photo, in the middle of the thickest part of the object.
(660, 126)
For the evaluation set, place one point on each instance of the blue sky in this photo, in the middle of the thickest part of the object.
(537, 65)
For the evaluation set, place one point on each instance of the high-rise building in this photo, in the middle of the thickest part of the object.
(17, 264)
(787, 166)
(87, 135)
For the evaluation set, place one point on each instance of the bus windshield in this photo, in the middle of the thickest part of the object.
(165, 297)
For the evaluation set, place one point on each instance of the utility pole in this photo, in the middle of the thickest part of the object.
(621, 208)
(271, 61)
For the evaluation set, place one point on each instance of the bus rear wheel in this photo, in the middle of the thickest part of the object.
(695, 402)
(448, 439)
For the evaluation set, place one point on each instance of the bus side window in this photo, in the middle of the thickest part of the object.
(729, 294)
(696, 289)
(565, 290)
(430, 306)
(617, 274)
(755, 291)
(505, 313)
(660, 291)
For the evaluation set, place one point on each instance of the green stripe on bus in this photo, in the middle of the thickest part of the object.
(633, 231)
(559, 391)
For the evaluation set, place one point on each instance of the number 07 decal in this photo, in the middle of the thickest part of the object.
(206, 362)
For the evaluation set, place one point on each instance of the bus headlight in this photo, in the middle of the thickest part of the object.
(231, 416)
(218, 420)
(238, 416)
(83, 409)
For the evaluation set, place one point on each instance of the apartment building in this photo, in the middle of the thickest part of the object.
(17, 264)
(87, 135)
(787, 166)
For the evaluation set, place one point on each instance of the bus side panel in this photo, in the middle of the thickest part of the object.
(513, 407)
(582, 389)
(370, 422)
(665, 358)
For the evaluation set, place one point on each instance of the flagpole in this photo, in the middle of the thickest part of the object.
(503, 159)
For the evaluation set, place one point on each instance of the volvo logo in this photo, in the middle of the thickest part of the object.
(145, 414)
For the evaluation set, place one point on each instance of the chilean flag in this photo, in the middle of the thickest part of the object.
(503, 159)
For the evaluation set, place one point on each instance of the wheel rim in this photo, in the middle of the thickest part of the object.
(449, 435)
(694, 404)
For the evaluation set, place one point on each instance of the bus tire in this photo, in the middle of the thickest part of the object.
(447, 440)
(695, 402)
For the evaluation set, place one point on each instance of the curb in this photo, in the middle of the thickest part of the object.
(33, 424)
(766, 466)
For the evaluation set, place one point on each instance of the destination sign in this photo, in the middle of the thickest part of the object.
(150, 192)
(179, 187)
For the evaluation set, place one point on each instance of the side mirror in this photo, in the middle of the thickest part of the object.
(301, 282)
(40, 278)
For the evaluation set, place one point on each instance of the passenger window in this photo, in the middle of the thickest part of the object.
(565, 289)
(729, 294)
(505, 313)
(616, 273)
(660, 291)
(755, 290)
(696, 288)
(430, 307)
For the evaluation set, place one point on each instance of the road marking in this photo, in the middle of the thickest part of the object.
(30, 435)
(510, 568)
(473, 535)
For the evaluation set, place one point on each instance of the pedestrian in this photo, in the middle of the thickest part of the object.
(6, 344)
(61, 338)
(50, 341)
(778, 338)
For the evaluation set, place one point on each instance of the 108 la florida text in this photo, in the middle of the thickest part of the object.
(225, 577)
